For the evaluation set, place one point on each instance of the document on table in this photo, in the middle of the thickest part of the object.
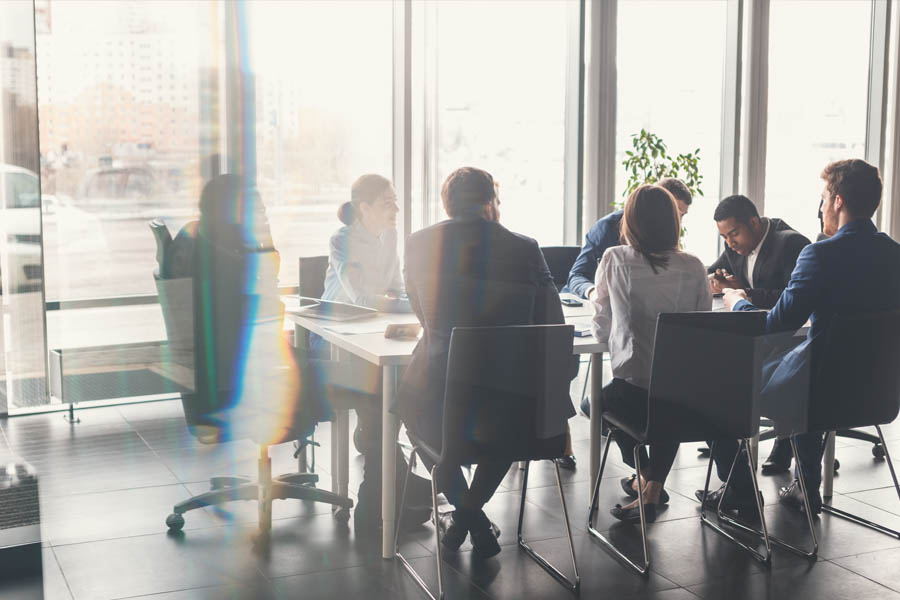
(363, 327)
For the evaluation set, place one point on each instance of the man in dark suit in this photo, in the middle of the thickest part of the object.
(760, 252)
(468, 271)
(856, 270)
(759, 256)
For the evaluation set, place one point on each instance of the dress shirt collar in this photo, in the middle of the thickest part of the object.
(763, 239)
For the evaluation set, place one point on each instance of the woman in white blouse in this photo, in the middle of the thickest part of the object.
(636, 282)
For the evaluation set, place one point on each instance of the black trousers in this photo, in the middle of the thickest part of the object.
(630, 401)
(449, 478)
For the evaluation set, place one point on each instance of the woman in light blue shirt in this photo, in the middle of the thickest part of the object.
(364, 269)
(363, 266)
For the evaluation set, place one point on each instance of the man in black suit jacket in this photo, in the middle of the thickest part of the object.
(759, 258)
(468, 271)
(767, 245)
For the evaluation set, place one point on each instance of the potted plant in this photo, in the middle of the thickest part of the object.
(649, 161)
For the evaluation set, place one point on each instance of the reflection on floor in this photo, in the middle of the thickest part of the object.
(108, 483)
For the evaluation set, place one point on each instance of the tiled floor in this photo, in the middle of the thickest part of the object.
(108, 483)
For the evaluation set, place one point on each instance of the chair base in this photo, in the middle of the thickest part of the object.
(643, 568)
(298, 486)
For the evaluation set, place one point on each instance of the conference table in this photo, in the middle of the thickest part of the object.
(365, 339)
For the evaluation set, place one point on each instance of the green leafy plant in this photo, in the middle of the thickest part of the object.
(649, 161)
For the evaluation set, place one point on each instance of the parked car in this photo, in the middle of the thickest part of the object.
(20, 223)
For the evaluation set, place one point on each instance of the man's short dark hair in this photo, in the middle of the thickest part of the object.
(677, 188)
(738, 207)
(857, 183)
(467, 188)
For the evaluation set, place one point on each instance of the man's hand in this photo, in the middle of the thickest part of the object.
(592, 293)
(732, 296)
(722, 279)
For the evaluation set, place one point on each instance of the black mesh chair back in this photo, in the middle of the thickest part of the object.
(311, 281)
(163, 240)
(705, 376)
(505, 386)
(857, 379)
(560, 260)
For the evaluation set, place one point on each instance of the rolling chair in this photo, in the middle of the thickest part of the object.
(560, 260)
(684, 404)
(214, 415)
(503, 387)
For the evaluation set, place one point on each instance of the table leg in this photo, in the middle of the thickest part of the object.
(343, 452)
(828, 466)
(390, 428)
(596, 438)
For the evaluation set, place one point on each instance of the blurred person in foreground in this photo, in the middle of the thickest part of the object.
(468, 271)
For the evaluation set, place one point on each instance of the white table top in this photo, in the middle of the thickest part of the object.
(365, 337)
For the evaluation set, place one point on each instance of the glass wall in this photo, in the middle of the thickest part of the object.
(500, 104)
(22, 344)
(818, 99)
(670, 74)
(323, 113)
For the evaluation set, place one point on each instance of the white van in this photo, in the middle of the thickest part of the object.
(20, 223)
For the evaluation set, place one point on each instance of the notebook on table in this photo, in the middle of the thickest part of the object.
(330, 310)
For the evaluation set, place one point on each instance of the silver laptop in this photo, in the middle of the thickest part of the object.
(330, 310)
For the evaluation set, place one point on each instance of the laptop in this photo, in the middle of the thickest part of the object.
(330, 310)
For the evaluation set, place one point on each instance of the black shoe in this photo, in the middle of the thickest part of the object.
(453, 533)
(484, 534)
(633, 514)
(792, 496)
(628, 488)
(586, 406)
(779, 460)
(566, 462)
(743, 503)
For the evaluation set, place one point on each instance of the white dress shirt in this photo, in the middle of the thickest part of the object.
(629, 298)
(751, 258)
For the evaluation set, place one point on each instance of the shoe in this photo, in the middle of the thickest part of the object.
(628, 488)
(566, 462)
(792, 496)
(633, 514)
(484, 534)
(779, 460)
(453, 533)
(733, 501)
(586, 406)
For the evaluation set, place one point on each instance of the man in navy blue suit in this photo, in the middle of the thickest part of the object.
(856, 270)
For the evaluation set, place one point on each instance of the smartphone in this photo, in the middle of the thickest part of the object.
(570, 302)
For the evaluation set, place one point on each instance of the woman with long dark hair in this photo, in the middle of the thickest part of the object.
(635, 282)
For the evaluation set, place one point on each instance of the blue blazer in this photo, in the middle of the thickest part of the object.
(604, 234)
(855, 271)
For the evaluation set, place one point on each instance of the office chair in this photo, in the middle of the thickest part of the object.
(868, 346)
(698, 359)
(560, 260)
(214, 414)
(505, 396)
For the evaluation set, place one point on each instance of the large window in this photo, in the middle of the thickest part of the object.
(818, 98)
(670, 72)
(501, 77)
(119, 99)
(323, 113)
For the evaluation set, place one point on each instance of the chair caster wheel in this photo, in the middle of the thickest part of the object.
(175, 521)
(837, 465)
(342, 515)
(357, 438)
(878, 451)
